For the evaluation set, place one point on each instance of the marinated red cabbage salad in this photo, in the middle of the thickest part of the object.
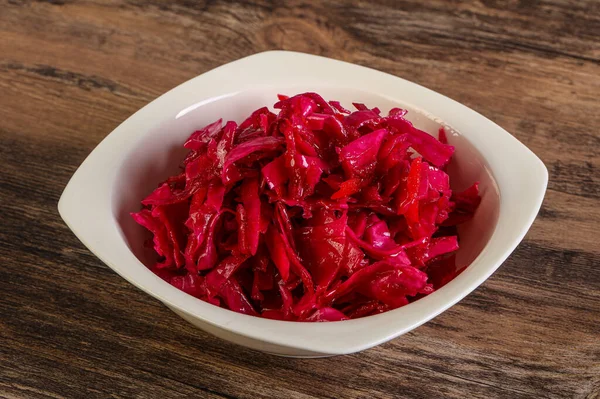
(317, 213)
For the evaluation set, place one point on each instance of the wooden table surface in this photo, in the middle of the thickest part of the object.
(71, 71)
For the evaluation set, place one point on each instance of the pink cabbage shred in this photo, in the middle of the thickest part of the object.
(316, 213)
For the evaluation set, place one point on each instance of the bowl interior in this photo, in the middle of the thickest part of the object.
(159, 152)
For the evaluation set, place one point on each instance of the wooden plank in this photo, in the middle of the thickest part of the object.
(71, 71)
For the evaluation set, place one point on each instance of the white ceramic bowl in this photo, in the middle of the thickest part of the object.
(147, 148)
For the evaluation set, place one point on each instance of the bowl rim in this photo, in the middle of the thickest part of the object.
(520, 175)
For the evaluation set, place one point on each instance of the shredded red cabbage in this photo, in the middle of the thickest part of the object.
(316, 213)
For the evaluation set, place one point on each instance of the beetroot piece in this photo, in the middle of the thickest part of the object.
(314, 214)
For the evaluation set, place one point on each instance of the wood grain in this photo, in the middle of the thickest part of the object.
(71, 71)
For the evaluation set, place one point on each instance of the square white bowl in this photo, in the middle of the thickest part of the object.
(147, 148)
